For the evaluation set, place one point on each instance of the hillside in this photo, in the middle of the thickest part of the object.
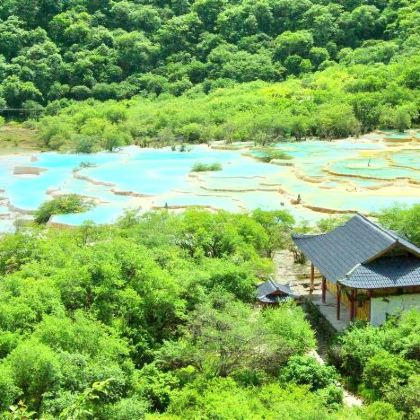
(158, 315)
(155, 318)
(339, 101)
(77, 49)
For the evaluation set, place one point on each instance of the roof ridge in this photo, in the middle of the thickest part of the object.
(350, 272)
(307, 235)
(398, 240)
(379, 227)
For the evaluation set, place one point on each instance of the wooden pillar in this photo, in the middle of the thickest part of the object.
(324, 288)
(353, 304)
(338, 301)
(311, 287)
(370, 304)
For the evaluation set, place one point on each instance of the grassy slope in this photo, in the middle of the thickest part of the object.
(16, 139)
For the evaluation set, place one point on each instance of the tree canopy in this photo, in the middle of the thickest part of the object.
(155, 317)
(115, 49)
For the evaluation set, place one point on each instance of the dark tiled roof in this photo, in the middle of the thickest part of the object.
(266, 292)
(401, 271)
(358, 241)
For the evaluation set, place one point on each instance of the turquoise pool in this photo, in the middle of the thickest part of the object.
(337, 175)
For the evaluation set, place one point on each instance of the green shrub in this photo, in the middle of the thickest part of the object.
(8, 390)
(404, 220)
(84, 144)
(205, 167)
(269, 155)
(71, 203)
(222, 398)
(404, 398)
(384, 367)
(380, 360)
(356, 347)
(380, 410)
(36, 370)
(306, 370)
(332, 396)
(86, 164)
(330, 223)
(8, 341)
(155, 386)
(128, 408)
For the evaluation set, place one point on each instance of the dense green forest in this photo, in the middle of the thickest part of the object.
(364, 55)
(155, 317)
(116, 49)
(337, 102)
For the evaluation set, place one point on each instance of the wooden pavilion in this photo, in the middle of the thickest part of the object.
(371, 270)
(272, 293)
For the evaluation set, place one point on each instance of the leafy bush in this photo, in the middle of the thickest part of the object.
(63, 204)
(404, 220)
(278, 225)
(332, 396)
(204, 167)
(128, 408)
(329, 223)
(86, 164)
(8, 390)
(222, 398)
(356, 347)
(84, 144)
(155, 386)
(404, 398)
(36, 370)
(269, 155)
(306, 370)
(382, 363)
(380, 410)
(384, 368)
(223, 336)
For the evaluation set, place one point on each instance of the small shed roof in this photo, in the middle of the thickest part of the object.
(358, 241)
(384, 272)
(267, 292)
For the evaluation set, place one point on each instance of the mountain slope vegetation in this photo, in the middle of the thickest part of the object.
(339, 101)
(154, 317)
(78, 49)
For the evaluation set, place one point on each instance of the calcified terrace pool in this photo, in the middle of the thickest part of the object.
(362, 175)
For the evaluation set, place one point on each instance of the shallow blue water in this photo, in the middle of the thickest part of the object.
(7, 226)
(408, 158)
(379, 168)
(100, 214)
(224, 202)
(242, 184)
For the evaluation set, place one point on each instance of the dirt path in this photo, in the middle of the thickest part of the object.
(349, 399)
(287, 272)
